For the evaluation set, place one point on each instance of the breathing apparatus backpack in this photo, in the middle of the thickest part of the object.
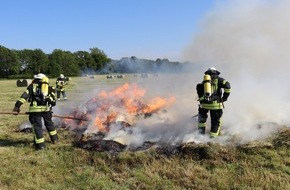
(204, 89)
(207, 86)
(44, 86)
(40, 89)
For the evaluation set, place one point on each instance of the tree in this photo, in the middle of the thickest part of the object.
(99, 57)
(85, 61)
(63, 62)
(33, 61)
(8, 63)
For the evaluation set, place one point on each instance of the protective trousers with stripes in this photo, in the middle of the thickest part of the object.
(36, 122)
(215, 121)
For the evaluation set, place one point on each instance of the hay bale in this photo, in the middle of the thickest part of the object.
(19, 83)
(120, 76)
(25, 82)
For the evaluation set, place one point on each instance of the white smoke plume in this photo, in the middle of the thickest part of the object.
(247, 41)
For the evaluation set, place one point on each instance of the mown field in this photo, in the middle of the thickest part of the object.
(259, 165)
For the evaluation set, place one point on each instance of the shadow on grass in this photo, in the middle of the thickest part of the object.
(13, 142)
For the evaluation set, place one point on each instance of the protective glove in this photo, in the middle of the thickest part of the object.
(16, 110)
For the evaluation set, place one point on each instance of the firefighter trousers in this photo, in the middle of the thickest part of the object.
(59, 93)
(215, 116)
(36, 122)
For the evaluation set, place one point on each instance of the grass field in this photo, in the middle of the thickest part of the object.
(265, 165)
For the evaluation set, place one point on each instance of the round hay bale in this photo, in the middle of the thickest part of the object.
(26, 82)
(19, 83)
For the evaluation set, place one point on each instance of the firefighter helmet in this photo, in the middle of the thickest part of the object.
(212, 70)
(39, 76)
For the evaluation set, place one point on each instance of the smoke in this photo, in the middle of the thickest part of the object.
(247, 41)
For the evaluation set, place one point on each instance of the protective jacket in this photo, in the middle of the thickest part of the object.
(38, 101)
(218, 96)
(60, 84)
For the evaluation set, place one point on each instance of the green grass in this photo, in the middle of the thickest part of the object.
(63, 166)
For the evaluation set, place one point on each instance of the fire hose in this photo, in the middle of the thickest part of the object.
(53, 115)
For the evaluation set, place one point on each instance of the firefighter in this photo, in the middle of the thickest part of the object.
(212, 92)
(61, 83)
(42, 98)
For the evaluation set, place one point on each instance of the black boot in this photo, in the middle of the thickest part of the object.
(54, 139)
(201, 130)
(39, 146)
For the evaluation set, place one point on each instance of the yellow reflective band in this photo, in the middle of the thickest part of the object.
(38, 141)
(38, 109)
(214, 106)
(22, 100)
(201, 124)
(227, 90)
(52, 132)
(212, 135)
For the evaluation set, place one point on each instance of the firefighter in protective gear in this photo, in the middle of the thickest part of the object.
(61, 83)
(42, 98)
(212, 92)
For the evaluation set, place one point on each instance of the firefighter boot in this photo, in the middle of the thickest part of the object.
(54, 139)
(201, 130)
(39, 146)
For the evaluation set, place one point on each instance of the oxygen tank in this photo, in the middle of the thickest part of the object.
(207, 86)
(44, 86)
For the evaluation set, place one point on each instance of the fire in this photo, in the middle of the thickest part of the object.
(106, 107)
(158, 103)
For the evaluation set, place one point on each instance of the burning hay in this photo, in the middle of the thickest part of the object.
(201, 151)
(123, 120)
(114, 111)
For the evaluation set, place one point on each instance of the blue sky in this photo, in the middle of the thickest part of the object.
(147, 29)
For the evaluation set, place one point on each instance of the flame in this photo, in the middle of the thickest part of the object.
(158, 103)
(105, 107)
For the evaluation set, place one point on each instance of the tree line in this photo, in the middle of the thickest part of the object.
(25, 63)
